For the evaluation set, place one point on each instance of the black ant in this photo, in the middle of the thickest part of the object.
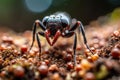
(56, 25)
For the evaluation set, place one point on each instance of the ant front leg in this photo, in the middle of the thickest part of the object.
(69, 34)
(83, 34)
(79, 24)
(74, 48)
(36, 23)
(39, 44)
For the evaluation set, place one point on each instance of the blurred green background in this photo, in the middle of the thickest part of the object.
(20, 14)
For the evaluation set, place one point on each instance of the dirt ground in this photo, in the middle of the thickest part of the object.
(17, 62)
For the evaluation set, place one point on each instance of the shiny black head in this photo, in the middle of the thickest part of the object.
(57, 21)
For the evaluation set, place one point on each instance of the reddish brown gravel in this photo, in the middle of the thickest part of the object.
(18, 63)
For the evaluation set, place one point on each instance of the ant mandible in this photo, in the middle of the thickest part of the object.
(56, 25)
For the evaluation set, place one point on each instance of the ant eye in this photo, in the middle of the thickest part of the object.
(44, 21)
(57, 16)
(52, 16)
(64, 22)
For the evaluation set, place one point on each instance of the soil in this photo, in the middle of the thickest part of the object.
(56, 62)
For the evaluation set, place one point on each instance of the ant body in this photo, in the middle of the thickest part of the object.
(56, 25)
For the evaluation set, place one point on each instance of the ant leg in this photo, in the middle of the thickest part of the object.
(36, 23)
(39, 45)
(41, 33)
(73, 27)
(74, 48)
(33, 35)
(69, 34)
(84, 37)
(40, 24)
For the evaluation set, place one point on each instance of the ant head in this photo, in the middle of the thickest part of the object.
(58, 18)
(64, 22)
(45, 19)
(64, 17)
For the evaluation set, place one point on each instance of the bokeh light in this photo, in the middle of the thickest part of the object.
(38, 5)
(19, 15)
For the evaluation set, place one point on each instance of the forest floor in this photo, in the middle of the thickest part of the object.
(18, 63)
